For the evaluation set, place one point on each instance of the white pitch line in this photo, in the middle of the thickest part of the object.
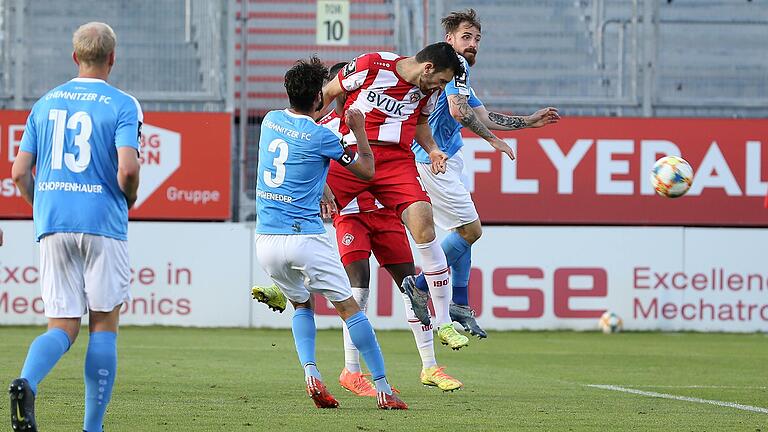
(682, 398)
(704, 387)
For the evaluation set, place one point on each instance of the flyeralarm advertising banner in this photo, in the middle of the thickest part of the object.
(654, 278)
(185, 166)
(597, 170)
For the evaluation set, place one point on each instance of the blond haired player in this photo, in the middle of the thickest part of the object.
(83, 139)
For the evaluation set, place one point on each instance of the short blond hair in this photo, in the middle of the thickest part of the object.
(93, 42)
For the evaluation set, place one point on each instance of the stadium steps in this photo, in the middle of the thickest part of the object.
(533, 48)
(152, 54)
(279, 33)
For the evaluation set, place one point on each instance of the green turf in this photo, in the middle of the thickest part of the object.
(173, 379)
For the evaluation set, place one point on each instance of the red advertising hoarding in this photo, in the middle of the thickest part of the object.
(185, 172)
(597, 170)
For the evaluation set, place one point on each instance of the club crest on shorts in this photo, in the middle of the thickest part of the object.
(347, 239)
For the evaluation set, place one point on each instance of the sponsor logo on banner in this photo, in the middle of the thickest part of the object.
(704, 279)
(185, 166)
(160, 157)
(597, 170)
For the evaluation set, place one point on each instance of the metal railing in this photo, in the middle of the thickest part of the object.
(633, 62)
(646, 62)
(170, 54)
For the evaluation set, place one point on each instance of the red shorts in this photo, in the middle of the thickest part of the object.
(396, 183)
(380, 232)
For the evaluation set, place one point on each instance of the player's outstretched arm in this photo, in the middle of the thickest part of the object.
(425, 139)
(460, 110)
(365, 167)
(498, 121)
(128, 173)
(22, 174)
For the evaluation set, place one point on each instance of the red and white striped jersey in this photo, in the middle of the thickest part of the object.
(331, 121)
(390, 104)
(365, 202)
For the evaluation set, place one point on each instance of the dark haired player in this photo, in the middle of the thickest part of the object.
(291, 242)
(397, 94)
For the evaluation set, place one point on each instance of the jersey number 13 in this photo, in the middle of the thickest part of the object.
(60, 122)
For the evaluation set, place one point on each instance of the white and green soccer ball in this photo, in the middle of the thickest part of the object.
(671, 176)
(610, 323)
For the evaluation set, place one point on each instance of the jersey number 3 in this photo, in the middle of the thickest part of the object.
(82, 119)
(281, 147)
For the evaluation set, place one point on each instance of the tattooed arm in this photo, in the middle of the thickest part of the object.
(498, 121)
(466, 115)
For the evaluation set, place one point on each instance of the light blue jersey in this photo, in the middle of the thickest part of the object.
(294, 156)
(75, 130)
(445, 129)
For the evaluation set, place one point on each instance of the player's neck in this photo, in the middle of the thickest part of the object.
(409, 69)
(298, 112)
(93, 72)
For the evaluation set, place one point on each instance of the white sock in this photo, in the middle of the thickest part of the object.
(435, 268)
(351, 354)
(422, 334)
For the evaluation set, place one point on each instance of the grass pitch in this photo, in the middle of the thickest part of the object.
(175, 379)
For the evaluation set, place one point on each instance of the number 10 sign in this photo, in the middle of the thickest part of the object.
(333, 22)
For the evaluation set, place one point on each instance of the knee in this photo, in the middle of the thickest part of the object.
(358, 273)
(471, 232)
(475, 234)
(418, 219)
(426, 235)
(346, 308)
(72, 334)
(70, 327)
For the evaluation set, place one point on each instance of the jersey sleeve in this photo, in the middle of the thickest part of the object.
(130, 119)
(473, 101)
(333, 148)
(353, 75)
(431, 103)
(459, 84)
(29, 139)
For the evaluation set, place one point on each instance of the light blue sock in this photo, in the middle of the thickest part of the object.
(304, 330)
(100, 371)
(362, 335)
(382, 385)
(43, 354)
(458, 253)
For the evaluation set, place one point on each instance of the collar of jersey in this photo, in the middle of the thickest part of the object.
(88, 80)
(287, 111)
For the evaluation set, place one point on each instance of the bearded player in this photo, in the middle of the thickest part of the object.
(452, 204)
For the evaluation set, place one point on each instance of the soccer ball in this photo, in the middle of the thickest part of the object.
(671, 176)
(610, 323)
